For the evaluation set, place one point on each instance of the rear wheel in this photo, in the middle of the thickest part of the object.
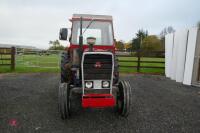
(124, 98)
(64, 100)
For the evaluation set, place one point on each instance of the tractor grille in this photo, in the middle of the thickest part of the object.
(97, 67)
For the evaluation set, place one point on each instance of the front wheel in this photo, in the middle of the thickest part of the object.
(124, 98)
(64, 100)
(64, 71)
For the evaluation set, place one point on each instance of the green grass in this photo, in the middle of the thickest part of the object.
(45, 63)
(34, 63)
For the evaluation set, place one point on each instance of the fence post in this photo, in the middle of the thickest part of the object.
(12, 58)
(138, 60)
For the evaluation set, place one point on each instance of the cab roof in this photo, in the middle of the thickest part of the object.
(91, 16)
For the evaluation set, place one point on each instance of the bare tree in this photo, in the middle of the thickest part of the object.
(166, 31)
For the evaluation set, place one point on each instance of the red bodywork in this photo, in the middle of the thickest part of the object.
(95, 48)
(96, 100)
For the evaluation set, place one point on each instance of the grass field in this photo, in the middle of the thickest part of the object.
(50, 63)
(34, 63)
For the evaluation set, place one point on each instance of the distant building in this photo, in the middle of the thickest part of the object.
(17, 46)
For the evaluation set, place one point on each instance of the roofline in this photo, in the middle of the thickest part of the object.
(89, 17)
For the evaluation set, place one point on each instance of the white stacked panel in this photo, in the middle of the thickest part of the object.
(189, 64)
(169, 42)
(181, 43)
(174, 56)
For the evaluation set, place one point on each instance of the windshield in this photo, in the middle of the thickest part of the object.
(102, 31)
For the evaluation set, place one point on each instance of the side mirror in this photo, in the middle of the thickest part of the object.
(63, 34)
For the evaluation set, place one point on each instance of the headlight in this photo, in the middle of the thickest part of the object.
(105, 84)
(88, 84)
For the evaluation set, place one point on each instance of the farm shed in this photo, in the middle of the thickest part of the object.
(182, 56)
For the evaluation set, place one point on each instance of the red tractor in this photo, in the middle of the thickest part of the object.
(90, 66)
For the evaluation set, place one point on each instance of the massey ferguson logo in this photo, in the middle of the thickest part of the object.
(97, 65)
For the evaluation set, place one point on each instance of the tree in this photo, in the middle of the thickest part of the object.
(166, 31)
(128, 46)
(150, 44)
(140, 35)
(119, 45)
(55, 45)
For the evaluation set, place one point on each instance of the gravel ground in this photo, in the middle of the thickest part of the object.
(28, 103)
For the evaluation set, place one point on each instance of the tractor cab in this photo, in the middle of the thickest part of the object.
(90, 65)
(95, 26)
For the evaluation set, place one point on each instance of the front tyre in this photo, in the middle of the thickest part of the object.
(124, 98)
(64, 71)
(64, 100)
(116, 70)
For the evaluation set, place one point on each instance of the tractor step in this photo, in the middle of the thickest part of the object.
(98, 101)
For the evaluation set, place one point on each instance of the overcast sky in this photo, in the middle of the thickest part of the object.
(36, 22)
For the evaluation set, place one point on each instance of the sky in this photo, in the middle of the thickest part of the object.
(36, 22)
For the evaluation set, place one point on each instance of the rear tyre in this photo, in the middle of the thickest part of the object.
(124, 98)
(64, 100)
(64, 72)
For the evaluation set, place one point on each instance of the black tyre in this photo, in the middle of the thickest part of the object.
(116, 70)
(64, 100)
(64, 71)
(124, 98)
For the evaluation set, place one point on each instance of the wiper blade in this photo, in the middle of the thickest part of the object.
(88, 25)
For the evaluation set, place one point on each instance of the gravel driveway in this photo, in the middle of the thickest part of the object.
(28, 104)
